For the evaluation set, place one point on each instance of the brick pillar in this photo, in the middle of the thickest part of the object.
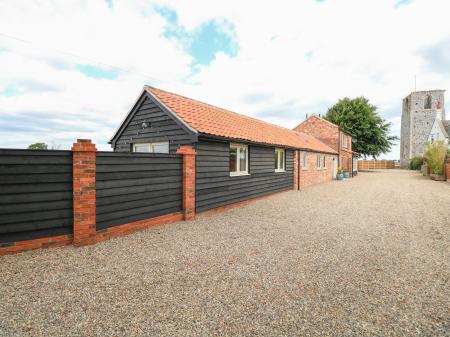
(296, 166)
(189, 155)
(84, 222)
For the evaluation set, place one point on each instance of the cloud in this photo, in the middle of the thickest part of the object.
(204, 41)
(437, 56)
(80, 65)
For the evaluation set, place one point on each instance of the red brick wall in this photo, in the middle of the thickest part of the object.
(312, 175)
(321, 129)
(330, 135)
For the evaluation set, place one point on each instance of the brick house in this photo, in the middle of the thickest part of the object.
(334, 137)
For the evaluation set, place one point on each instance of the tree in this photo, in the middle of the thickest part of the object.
(38, 146)
(359, 118)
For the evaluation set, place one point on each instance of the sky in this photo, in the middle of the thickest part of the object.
(73, 69)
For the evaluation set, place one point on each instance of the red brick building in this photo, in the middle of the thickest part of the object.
(333, 136)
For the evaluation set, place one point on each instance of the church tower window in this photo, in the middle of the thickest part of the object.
(427, 102)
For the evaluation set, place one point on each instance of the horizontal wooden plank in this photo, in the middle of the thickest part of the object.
(35, 206)
(128, 160)
(135, 174)
(115, 199)
(25, 152)
(106, 184)
(36, 216)
(236, 198)
(35, 197)
(35, 160)
(136, 189)
(35, 169)
(147, 210)
(36, 225)
(34, 188)
(35, 178)
(222, 183)
(35, 234)
(120, 221)
(224, 192)
(135, 204)
(138, 167)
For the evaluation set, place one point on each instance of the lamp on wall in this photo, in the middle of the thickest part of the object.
(145, 124)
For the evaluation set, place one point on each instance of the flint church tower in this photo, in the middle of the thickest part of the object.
(420, 110)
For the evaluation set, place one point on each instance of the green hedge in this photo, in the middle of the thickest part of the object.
(416, 163)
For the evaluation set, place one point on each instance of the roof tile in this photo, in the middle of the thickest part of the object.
(216, 121)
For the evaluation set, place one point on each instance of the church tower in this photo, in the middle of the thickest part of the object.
(420, 109)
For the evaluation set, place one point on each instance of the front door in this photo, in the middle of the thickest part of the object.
(335, 167)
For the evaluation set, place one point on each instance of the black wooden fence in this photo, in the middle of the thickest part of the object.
(36, 191)
(35, 194)
(137, 186)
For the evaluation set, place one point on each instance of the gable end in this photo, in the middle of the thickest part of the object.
(163, 125)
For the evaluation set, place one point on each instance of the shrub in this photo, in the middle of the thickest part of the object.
(435, 156)
(416, 163)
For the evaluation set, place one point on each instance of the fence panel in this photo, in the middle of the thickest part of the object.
(376, 164)
(35, 194)
(136, 186)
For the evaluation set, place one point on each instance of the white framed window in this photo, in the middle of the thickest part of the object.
(318, 161)
(324, 162)
(304, 160)
(279, 160)
(160, 147)
(344, 141)
(238, 160)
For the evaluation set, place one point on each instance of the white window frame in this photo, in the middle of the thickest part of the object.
(238, 162)
(318, 161)
(344, 141)
(277, 164)
(304, 159)
(151, 147)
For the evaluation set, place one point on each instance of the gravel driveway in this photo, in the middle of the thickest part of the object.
(369, 256)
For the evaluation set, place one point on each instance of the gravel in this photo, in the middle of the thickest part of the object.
(367, 256)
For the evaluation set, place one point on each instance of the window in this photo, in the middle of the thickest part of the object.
(161, 147)
(324, 162)
(304, 160)
(238, 159)
(427, 104)
(279, 160)
(344, 141)
(318, 161)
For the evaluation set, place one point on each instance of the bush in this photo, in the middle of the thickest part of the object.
(435, 156)
(416, 163)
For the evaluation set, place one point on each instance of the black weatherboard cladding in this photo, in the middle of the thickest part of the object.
(137, 186)
(216, 188)
(160, 128)
(35, 194)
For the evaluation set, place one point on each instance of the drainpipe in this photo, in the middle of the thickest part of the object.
(339, 147)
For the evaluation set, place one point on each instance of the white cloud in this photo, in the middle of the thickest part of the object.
(295, 57)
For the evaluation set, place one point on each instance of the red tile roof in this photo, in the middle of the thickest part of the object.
(211, 120)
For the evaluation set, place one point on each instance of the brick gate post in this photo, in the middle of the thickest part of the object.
(84, 197)
(189, 157)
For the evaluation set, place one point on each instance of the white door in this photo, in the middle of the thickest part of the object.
(335, 167)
